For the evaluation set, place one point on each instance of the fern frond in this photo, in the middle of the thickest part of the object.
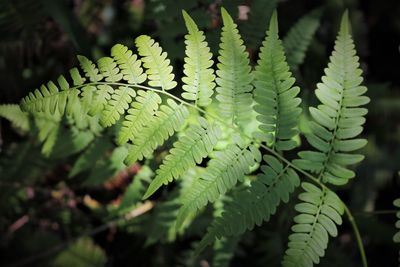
(46, 100)
(15, 115)
(166, 121)
(319, 213)
(339, 119)
(222, 173)
(396, 237)
(140, 113)
(234, 75)
(90, 69)
(109, 69)
(108, 166)
(83, 253)
(48, 126)
(159, 70)
(275, 95)
(299, 37)
(94, 152)
(76, 76)
(117, 105)
(190, 149)
(74, 109)
(224, 251)
(199, 75)
(71, 141)
(133, 194)
(161, 226)
(255, 204)
(129, 64)
(162, 222)
(100, 98)
(224, 248)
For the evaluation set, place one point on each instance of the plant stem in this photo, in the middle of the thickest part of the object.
(358, 236)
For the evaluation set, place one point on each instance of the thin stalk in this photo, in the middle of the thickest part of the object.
(358, 236)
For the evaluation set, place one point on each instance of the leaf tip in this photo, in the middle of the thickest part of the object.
(273, 24)
(225, 16)
(344, 24)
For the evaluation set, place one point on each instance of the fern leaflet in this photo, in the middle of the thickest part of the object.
(199, 76)
(95, 151)
(335, 122)
(90, 69)
(14, 114)
(234, 75)
(129, 64)
(223, 249)
(277, 104)
(117, 105)
(338, 120)
(167, 120)
(140, 113)
(256, 204)
(299, 37)
(76, 76)
(109, 69)
(320, 211)
(159, 70)
(100, 98)
(396, 237)
(222, 173)
(189, 150)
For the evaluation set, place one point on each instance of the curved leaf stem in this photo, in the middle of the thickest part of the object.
(358, 236)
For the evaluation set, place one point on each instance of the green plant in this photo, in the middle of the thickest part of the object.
(243, 134)
(396, 237)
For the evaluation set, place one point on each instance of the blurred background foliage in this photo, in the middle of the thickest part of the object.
(51, 217)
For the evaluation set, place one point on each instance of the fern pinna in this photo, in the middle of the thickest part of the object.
(260, 107)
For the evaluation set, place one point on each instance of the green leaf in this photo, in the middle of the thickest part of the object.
(222, 173)
(396, 237)
(199, 75)
(158, 68)
(82, 253)
(109, 69)
(166, 121)
(129, 64)
(190, 149)
(89, 68)
(139, 114)
(16, 116)
(275, 96)
(116, 106)
(234, 75)
(339, 119)
(86, 160)
(319, 212)
(299, 38)
(255, 204)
